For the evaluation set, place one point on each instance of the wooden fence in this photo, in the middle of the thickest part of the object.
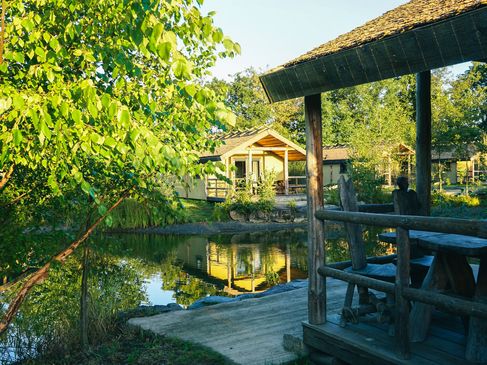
(403, 293)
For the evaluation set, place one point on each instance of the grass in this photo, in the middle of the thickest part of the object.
(198, 210)
(134, 346)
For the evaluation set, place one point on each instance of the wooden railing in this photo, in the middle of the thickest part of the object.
(297, 184)
(403, 293)
(216, 188)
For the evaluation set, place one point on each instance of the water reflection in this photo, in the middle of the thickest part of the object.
(128, 270)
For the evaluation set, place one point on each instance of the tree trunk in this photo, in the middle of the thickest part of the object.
(84, 300)
(6, 177)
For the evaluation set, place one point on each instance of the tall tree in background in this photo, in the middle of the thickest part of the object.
(245, 96)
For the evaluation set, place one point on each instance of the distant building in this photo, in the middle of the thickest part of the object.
(336, 162)
(247, 155)
(457, 167)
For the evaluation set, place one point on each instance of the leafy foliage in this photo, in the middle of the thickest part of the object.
(99, 95)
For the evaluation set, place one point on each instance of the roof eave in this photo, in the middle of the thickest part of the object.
(450, 41)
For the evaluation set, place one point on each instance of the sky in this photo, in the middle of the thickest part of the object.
(272, 32)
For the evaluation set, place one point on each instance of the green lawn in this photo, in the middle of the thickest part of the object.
(198, 210)
(135, 346)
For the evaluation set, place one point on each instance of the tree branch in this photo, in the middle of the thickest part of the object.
(6, 177)
(41, 274)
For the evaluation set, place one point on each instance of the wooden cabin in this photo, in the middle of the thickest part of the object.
(456, 168)
(247, 156)
(396, 162)
(414, 38)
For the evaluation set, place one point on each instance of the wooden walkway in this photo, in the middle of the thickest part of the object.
(249, 331)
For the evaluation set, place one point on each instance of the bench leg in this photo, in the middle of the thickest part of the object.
(420, 316)
(347, 305)
(476, 350)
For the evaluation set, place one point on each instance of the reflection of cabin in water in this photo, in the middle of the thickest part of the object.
(238, 268)
(247, 156)
(396, 162)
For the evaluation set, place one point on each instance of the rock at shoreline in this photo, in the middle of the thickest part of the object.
(281, 288)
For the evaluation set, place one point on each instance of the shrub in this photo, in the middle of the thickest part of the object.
(440, 199)
(245, 203)
(331, 195)
(368, 184)
(156, 210)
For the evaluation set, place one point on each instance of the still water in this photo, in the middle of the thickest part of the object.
(129, 270)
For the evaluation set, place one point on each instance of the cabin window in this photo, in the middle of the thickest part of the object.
(343, 168)
(240, 171)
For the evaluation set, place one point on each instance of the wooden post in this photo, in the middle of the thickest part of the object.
(286, 172)
(316, 229)
(250, 180)
(402, 306)
(423, 140)
(288, 262)
(477, 334)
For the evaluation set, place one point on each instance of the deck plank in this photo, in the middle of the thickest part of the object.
(249, 331)
(368, 343)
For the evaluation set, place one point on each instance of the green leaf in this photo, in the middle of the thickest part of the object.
(76, 116)
(109, 221)
(41, 54)
(93, 110)
(164, 50)
(17, 137)
(54, 44)
(86, 187)
(157, 31)
(181, 69)
(124, 116)
(18, 102)
(110, 142)
(102, 209)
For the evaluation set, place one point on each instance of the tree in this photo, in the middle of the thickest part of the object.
(245, 96)
(101, 97)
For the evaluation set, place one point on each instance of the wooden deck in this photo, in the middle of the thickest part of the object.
(369, 343)
(249, 331)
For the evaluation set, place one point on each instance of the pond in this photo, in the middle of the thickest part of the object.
(128, 270)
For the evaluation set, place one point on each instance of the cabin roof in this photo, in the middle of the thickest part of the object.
(234, 142)
(417, 36)
(338, 154)
(335, 154)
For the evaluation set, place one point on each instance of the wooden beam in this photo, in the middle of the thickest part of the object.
(270, 148)
(476, 228)
(423, 141)
(286, 172)
(316, 231)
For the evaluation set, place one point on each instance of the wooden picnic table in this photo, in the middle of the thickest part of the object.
(451, 270)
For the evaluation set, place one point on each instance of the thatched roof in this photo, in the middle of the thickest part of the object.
(413, 14)
(260, 137)
(418, 36)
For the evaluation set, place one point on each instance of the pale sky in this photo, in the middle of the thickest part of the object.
(272, 32)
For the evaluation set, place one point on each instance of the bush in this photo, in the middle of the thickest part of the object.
(440, 199)
(331, 195)
(156, 210)
(245, 203)
(368, 184)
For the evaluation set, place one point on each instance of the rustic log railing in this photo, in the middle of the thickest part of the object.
(403, 293)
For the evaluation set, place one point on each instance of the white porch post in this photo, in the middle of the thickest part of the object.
(286, 172)
(249, 170)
